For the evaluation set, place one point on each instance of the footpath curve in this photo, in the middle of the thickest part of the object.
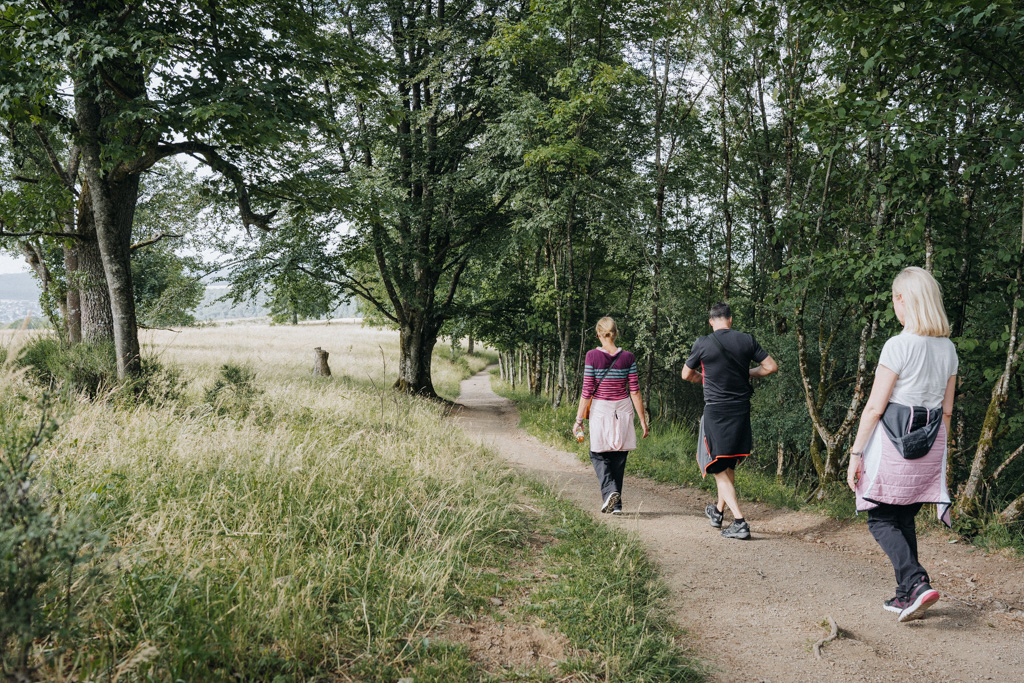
(755, 608)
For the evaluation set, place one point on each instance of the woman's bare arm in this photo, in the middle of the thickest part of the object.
(881, 390)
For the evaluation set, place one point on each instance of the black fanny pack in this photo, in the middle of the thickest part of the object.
(912, 430)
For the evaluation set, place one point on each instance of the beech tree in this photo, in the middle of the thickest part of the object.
(131, 83)
(400, 190)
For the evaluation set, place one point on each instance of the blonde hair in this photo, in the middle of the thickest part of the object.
(606, 326)
(922, 303)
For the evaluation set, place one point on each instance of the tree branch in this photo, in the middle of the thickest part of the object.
(353, 286)
(212, 158)
(54, 161)
(40, 233)
(153, 240)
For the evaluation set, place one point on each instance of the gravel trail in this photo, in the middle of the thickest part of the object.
(754, 609)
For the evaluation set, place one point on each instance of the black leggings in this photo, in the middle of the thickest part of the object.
(610, 467)
(894, 528)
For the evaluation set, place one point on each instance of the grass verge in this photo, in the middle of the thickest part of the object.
(288, 527)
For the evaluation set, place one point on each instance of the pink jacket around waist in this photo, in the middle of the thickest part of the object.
(889, 478)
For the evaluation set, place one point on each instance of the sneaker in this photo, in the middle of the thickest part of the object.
(737, 530)
(714, 515)
(610, 501)
(920, 599)
(896, 604)
(616, 511)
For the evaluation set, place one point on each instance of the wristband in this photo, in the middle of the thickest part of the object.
(856, 454)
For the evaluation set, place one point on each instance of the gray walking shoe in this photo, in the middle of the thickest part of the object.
(610, 502)
(739, 530)
(714, 515)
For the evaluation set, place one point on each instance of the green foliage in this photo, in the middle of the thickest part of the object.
(234, 391)
(41, 542)
(85, 368)
(165, 293)
(90, 369)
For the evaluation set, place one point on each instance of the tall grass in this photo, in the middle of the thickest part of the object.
(359, 356)
(265, 524)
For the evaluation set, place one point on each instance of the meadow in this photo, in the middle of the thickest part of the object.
(249, 521)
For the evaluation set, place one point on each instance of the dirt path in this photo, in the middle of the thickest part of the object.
(754, 608)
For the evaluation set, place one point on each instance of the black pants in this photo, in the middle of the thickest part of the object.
(893, 527)
(610, 467)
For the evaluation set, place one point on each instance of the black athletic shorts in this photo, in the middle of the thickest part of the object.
(723, 464)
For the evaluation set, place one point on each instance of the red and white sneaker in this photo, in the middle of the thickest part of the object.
(921, 598)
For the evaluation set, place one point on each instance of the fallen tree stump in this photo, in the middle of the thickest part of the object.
(320, 366)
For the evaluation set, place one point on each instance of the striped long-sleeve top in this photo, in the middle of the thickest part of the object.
(618, 379)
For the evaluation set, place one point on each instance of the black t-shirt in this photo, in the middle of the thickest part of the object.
(723, 379)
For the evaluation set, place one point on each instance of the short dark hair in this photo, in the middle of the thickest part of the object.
(720, 310)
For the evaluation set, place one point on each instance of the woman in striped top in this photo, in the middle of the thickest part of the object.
(612, 391)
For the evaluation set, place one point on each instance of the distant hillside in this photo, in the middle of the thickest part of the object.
(213, 309)
(19, 297)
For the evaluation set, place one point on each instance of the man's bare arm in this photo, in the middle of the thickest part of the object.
(691, 375)
(767, 367)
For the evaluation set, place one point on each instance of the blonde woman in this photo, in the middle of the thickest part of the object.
(898, 459)
(611, 391)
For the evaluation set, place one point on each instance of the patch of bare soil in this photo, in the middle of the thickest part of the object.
(755, 608)
(498, 646)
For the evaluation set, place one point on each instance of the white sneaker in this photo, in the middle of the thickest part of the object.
(616, 511)
(610, 502)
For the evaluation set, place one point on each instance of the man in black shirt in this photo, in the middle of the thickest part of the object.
(725, 438)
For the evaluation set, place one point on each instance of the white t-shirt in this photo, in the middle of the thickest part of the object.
(924, 366)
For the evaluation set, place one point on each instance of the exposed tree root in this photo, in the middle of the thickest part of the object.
(831, 636)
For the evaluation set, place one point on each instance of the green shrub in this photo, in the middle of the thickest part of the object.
(91, 368)
(234, 391)
(83, 368)
(40, 546)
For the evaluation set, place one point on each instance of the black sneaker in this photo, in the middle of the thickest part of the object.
(610, 501)
(896, 604)
(920, 599)
(739, 530)
(714, 515)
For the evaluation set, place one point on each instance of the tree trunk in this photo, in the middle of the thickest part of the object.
(726, 213)
(320, 366)
(778, 468)
(113, 209)
(1013, 511)
(417, 340)
(73, 300)
(470, 349)
(97, 323)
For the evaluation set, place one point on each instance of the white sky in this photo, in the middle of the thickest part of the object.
(9, 264)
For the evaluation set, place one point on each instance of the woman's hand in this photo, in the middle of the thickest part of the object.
(853, 471)
(576, 426)
(646, 428)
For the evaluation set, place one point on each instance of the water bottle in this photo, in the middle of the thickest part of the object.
(579, 433)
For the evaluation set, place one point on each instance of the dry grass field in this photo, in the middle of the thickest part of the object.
(254, 522)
